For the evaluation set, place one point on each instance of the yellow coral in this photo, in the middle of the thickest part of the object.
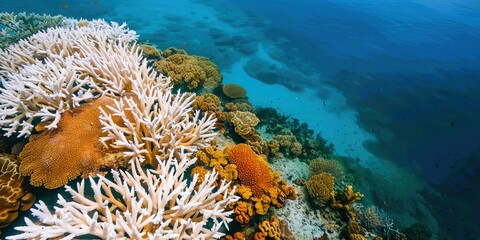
(14, 195)
(244, 123)
(193, 70)
(244, 192)
(345, 199)
(253, 171)
(262, 204)
(320, 188)
(54, 157)
(243, 212)
(233, 90)
(230, 172)
(270, 228)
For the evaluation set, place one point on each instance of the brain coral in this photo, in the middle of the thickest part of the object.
(320, 188)
(233, 90)
(54, 157)
(253, 171)
(193, 70)
(14, 195)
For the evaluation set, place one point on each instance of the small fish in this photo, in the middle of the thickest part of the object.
(185, 43)
(97, 2)
(65, 5)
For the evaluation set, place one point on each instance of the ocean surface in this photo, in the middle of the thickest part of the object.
(394, 84)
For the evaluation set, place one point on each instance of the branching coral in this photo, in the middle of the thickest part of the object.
(14, 190)
(59, 69)
(156, 204)
(19, 26)
(344, 200)
(160, 124)
(320, 188)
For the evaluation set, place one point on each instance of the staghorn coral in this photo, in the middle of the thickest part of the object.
(234, 91)
(14, 190)
(244, 123)
(320, 188)
(15, 27)
(319, 165)
(253, 171)
(59, 69)
(155, 204)
(75, 141)
(160, 124)
(194, 71)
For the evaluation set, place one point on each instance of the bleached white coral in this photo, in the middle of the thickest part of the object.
(156, 122)
(56, 70)
(155, 204)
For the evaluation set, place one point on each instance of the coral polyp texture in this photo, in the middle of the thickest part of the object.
(75, 141)
(253, 170)
(154, 203)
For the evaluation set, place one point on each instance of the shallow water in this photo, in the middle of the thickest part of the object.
(394, 84)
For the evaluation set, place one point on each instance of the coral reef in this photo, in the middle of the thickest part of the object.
(153, 203)
(14, 190)
(15, 27)
(269, 229)
(344, 200)
(320, 188)
(234, 91)
(75, 141)
(194, 71)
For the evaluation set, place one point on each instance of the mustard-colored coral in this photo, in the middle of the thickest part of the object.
(236, 236)
(14, 190)
(233, 90)
(244, 192)
(150, 50)
(244, 123)
(194, 71)
(253, 171)
(270, 228)
(201, 174)
(320, 188)
(345, 199)
(262, 204)
(54, 157)
(243, 212)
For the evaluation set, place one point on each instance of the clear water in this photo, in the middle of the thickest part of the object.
(393, 83)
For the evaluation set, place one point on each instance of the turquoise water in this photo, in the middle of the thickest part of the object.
(393, 84)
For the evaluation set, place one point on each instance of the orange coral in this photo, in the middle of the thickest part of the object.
(14, 195)
(253, 171)
(54, 157)
(270, 228)
(243, 212)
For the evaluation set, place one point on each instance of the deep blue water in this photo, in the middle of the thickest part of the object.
(411, 69)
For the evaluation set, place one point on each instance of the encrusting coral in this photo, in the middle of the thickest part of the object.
(54, 157)
(154, 203)
(244, 123)
(14, 190)
(332, 166)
